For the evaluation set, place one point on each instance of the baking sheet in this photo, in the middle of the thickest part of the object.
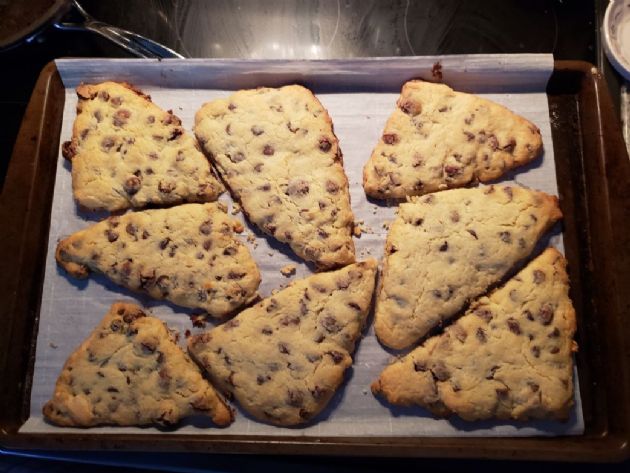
(359, 95)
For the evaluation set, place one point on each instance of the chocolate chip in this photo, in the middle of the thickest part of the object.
(163, 282)
(313, 357)
(116, 325)
(120, 117)
(318, 392)
(514, 326)
(555, 333)
(509, 192)
(354, 305)
(229, 251)
(330, 324)
(332, 187)
(539, 276)
(444, 246)
(390, 138)
(291, 129)
(419, 365)
(107, 143)
(509, 148)
(491, 372)
(145, 234)
(261, 379)
(546, 314)
(554, 350)
(116, 101)
(268, 150)
(68, 149)
(468, 120)
(440, 371)
(506, 237)
(469, 136)
(164, 243)
(231, 107)
(132, 185)
(443, 109)
(325, 144)
(295, 398)
(150, 119)
(454, 216)
(493, 142)
(282, 347)
(502, 392)
(237, 157)
(111, 235)
(336, 356)
(103, 95)
(267, 331)
(206, 227)
(297, 187)
(166, 186)
(533, 386)
(452, 171)
(481, 335)
(473, 233)
(536, 351)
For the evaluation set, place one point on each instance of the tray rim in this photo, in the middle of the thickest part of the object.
(611, 446)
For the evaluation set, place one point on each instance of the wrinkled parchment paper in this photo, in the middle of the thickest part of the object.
(359, 95)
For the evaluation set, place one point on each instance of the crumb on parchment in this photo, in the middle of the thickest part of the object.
(288, 270)
(235, 208)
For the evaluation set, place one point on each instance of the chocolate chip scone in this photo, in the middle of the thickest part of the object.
(276, 150)
(130, 371)
(284, 358)
(447, 248)
(127, 152)
(186, 254)
(438, 138)
(509, 357)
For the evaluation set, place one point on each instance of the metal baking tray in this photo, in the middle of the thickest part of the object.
(594, 185)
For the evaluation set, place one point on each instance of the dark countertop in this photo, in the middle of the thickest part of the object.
(306, 29)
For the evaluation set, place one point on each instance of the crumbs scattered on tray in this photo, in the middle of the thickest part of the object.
(235, 208)
(187, 333)
(288, 270)
(52, 345)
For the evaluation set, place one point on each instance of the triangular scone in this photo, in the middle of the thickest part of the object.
(447, 248)
(130, 371)
(276, 150)
(127, 152)
(509, 357)
(284, 358)
(438, 138)
(186, 254)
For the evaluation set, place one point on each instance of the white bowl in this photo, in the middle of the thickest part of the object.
(616, 35)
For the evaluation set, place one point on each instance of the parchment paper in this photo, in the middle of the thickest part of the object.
(359, 95)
